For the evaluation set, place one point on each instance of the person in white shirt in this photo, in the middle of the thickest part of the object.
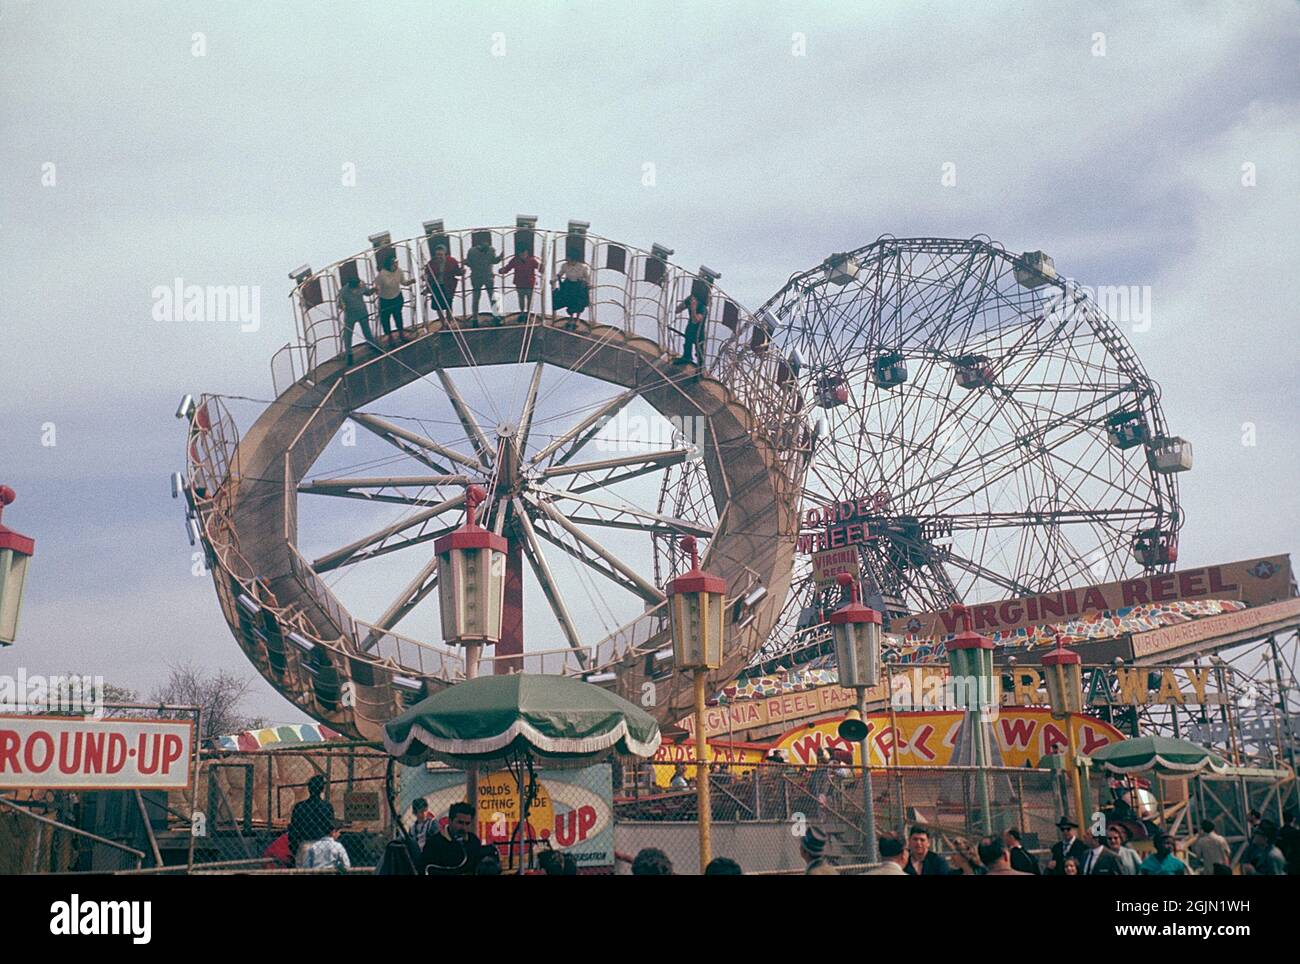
(679, 781)
(423, 821)
(328, 852)
(572, 293)
(389, 283)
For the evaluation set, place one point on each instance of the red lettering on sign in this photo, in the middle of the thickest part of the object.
(1162, 588)
(1217, 585)
(1051, 606)
(1053, 737)
(66, 765)
(1095, 601)
(1092, 740)
(885, 742)
(9, 752)
(805, 748)
(1017, 731)
(47, 754)
(1134, 591)
(920, 742)
(116, 753)
(1189, 583)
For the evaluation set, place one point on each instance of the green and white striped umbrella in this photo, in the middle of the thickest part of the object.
(493, 719)
(1159, 754)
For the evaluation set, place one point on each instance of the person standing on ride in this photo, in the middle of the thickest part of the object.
(525, 266)
(441, 275)
(352, 299)
(480, 260)
(696, 306)
(389, 283)
(572, 291)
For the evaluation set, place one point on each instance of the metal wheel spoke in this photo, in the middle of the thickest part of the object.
(472, 430)
(656, 521)
(530, 405)
(425, 581)
(657, 460)
(332, 560)
(640, 585)
(388, 431)
(372, 489)
(537, 559)
(584, 431)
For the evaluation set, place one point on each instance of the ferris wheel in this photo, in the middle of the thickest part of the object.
(981, 430)
(567, 419)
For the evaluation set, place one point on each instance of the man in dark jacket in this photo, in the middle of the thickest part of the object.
(1068, 846)
(311, 819)
(1288, 841)
(1021, 859)
(921, 860)
(453, 850)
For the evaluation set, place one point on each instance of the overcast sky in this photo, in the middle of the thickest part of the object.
(146, 142)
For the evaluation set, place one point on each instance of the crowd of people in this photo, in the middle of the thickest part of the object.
(443, 274)
(451, 848)
(1273, 851)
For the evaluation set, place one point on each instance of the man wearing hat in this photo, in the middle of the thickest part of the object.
(813, 850)
(1068, 846)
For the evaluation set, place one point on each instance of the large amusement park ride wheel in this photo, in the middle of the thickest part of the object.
(516, 404)
(992, 427)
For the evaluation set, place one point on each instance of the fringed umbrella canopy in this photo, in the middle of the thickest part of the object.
(1160, 754)
(559, 720)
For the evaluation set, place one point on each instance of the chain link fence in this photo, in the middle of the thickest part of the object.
(761, 815)
(237, 807)
(240, 805)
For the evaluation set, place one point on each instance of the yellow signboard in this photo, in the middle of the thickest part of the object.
(739, 757)
(1024, 735)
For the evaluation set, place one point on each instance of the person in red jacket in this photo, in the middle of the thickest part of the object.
(441, 275)
(525, 266)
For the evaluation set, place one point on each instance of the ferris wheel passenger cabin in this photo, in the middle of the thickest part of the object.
(889, 370)
(1034, 269)
(1170, 455)
(840, 269)
(1127, 428)
(832, 391)
(1153, 547)
(973, 371)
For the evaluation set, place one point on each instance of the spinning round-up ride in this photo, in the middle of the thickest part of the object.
(738, 419)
